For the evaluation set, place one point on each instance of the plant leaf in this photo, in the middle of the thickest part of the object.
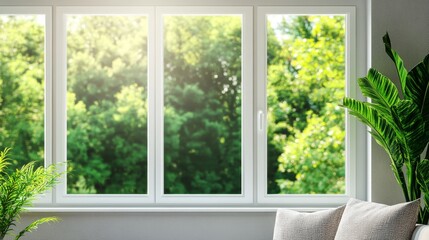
(379, 88)
(381, 130)
(423, 179)
(412, 129)
(4, 159)
(384, 134)
(417, 87)
(19, 188)
(382, 91)
(399, 63)
(34, 225)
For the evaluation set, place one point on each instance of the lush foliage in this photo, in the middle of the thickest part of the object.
(306, 81)
(107, 102)
(399, 122)
(21, 91)
(18, 190)
(203, 102)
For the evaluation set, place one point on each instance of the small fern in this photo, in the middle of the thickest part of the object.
(19, 189)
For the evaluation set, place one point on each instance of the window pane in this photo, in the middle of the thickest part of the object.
(202, 104)
(107, 104)
(22, 83)
(306, 83)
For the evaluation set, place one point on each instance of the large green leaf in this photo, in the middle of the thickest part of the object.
(383, 133)
(417, 87)
(423, 181)
(381, 90)
(399, 64)
(423, 177)
(412, 128)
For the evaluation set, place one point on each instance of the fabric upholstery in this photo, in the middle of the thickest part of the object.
(321, 225)
(421, 233)
(373, 221)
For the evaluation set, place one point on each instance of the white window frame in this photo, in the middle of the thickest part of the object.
(355, 143)
(246, 195)
(254, 174)
(45, 198)
(61, 112)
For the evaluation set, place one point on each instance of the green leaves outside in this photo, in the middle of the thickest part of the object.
(107, 103)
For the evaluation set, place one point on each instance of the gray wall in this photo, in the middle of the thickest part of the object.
(408, 25)
(156, 226)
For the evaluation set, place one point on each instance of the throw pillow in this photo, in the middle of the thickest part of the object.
(373, 221)
(321, 225)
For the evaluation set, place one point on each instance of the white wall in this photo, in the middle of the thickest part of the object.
(408, 25)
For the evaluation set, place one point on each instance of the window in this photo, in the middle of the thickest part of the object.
(202, 97)
(108, 90)
(304, 136)
(187, 106)
(107, 104)
(25, 82)
(204, 72)
(202, 104)
(305, 84)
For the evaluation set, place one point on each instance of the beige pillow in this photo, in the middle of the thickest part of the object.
(373, 221)
(321, 225)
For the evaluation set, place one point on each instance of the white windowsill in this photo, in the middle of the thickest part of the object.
(167, 209)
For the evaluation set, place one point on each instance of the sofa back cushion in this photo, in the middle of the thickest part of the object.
(366, 220)
(321, 225)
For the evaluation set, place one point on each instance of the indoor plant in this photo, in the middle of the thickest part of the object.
(17, 191)
(399, 122)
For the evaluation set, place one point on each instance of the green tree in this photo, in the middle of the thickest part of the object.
(107, 109)
(107, 102)
(306, 80)
(202, 96)
(22, 88)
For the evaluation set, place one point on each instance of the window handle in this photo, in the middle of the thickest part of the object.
(260, 120)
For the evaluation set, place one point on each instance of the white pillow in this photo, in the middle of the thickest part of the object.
(373, 221)
(321, 225)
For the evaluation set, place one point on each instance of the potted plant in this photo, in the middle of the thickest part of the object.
(18, 189)
(399, 122)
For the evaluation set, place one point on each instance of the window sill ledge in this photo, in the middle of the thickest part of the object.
(165, 209)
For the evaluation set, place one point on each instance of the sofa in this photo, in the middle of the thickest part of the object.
(357, 220)
(421, 232)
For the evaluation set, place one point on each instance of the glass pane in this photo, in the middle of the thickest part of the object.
(202, 104)
(22, 84)
(306, 84)
(107, 104)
